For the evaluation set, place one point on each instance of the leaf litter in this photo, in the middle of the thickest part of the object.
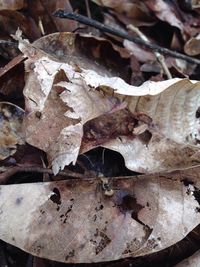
(155, 127)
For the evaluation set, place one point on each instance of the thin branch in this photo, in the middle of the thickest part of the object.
(156, 48)
(11, 64)
(4, 176)
(88, 9)
(160, 58)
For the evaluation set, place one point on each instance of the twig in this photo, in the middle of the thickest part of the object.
(88, 9)
(4, 176)
(11, 64)
(87, 21)
(160, 58)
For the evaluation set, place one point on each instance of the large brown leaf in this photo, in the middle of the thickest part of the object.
(56, 90)
(73, 221)
(163, 133)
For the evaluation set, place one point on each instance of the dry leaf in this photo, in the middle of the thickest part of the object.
(11, 133)
(168, 110)
(12, 4)
(129, 12)
(192, 46)
(10, 20)
(57, 90)
(166, 11)
(73, 221)
(173, 142)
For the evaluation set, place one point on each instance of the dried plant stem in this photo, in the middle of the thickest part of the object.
(88, 9)
(4, 176)
(7, 173)
(158, 55)
(87, 21)
(15, 61)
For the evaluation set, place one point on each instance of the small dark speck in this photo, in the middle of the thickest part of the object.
(198, 113)
(197, 209)
(38, 114)
(56, 197)
(42, 211)
(18, 200)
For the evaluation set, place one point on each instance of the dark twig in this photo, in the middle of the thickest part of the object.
(4, 176)
(156, 48)
(11, 64)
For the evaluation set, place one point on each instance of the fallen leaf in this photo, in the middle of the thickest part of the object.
(192, 46)
(145, 214)
(129, 12)
(173, 142)
(53, 84)
(166, 11)
(11, 133)
(42, 13)
(12, 4)
(141, 54)
(11, 20)
(84, 94)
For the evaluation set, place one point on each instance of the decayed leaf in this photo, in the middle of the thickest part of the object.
(58, 101)
(73, 221)
(175, 130)
(165, 137)
(11, 133)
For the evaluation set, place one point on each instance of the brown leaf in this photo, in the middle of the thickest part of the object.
(42, 13)
(12, 4)
(155, 145)
(11, 129)
(145, 214)
(192, 47)
(172, 138)
(11, 20)
(166, 11)
(56, 90)
(129, 12)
